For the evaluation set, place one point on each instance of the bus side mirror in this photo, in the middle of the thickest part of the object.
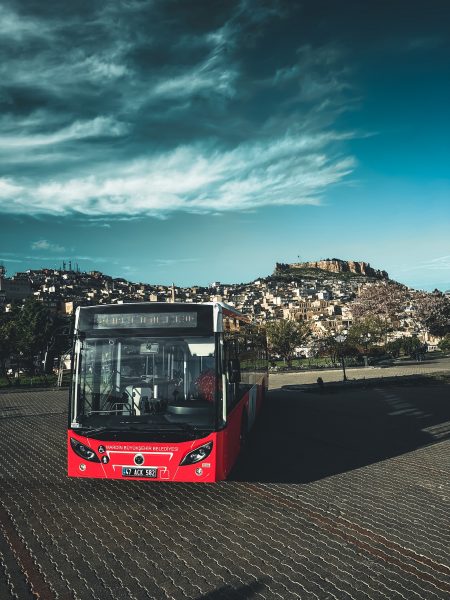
(234, 370)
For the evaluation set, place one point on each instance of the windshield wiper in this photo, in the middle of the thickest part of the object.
(191, 429)
(186, 427)
(87, 431)
(121, 428)
(169, 428)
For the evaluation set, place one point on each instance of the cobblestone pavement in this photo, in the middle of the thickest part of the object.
(339, 496)
(400, 369)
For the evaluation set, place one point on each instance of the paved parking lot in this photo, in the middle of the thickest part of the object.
(341, 495)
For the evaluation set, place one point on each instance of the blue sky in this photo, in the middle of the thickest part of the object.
(195, 141)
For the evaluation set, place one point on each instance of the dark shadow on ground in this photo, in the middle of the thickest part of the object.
(304, 434)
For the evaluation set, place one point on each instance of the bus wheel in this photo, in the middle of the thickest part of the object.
(244, 431)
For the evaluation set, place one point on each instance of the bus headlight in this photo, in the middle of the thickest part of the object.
(195, 456)
(83, 451)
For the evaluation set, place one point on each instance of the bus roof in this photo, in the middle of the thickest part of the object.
(230, 309)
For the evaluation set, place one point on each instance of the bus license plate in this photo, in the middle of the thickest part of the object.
(151, 472)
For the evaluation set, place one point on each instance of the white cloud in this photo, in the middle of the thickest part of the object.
(106, 68)
(166, 262)
(9, 190)
(46, 245)
(318, 73)
(191, 102)
(97, 223)
(9, 260)
(215, 74)
(202, 79)
(17, 27)
(440, 263)
(98, 127)
(295, 169)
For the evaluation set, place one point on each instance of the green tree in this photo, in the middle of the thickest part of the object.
(35, 325)
(61, 341)
(411, 345)
(365, 332)
(8, 340)
(444, 344)
(327, 346)
(394, 347)
(284, 336)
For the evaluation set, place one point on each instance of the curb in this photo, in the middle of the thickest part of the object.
(333, 386)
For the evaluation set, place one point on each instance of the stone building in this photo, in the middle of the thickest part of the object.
(15, 288)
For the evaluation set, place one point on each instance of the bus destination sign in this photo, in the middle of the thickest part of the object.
(145, 320)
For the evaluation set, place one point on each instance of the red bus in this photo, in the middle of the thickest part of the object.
(164, 392)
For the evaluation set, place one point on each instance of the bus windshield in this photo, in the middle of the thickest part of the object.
(145, 383)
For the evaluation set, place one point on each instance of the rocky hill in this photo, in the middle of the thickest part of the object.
(331, 265)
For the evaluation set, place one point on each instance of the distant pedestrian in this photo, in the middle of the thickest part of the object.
(320, 383)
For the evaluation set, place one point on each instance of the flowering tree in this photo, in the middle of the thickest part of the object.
(384, 301)
(433, 312)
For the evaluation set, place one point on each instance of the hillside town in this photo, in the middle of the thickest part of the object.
(319, 293)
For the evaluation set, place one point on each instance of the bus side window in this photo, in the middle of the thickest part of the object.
(234, 370)
(230, 359)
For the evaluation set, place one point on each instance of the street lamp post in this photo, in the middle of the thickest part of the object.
(340, 338)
